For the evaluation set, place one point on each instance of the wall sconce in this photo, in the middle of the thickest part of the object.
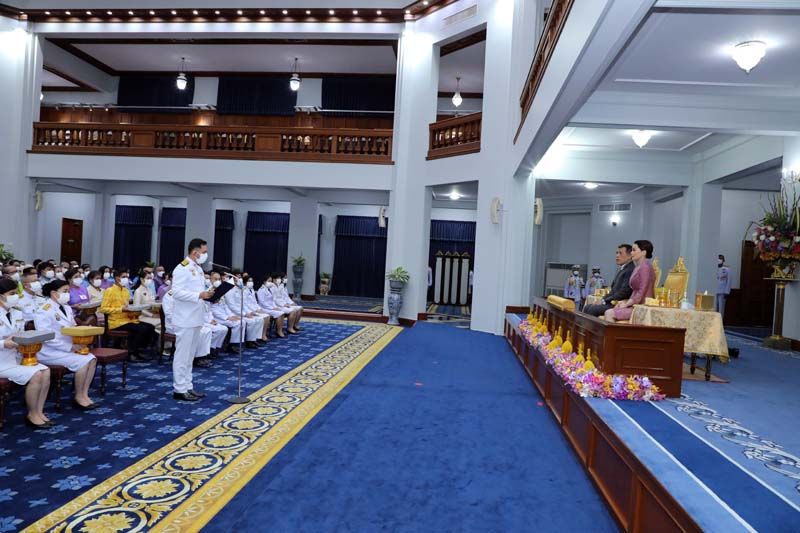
(614, 220)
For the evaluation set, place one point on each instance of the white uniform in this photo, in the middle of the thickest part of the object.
(168, 306)
(58, 351)
(217, 331)
(285, 301)
(188, 316)
(267, 302)
(233, 299)
(29, 304)
(221, 314)
(9, 358)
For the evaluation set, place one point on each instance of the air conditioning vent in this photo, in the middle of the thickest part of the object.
(615, 207)
(464, 14)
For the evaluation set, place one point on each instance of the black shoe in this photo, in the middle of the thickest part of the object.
(202, 362)
(36, 426)
(250, 344)
(89, 407)
(138, 358)
(234, 348)
(185, 396)
(261, 342)
(198, 394)
(214, 353)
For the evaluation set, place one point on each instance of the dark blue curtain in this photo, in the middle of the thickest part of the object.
(266, 244)
(359, 258)
(223, 237)
(319, 239)
(255, 95)
(133, 235)
(153, 91)
(364, 94)
(451, 236)
(173, 236)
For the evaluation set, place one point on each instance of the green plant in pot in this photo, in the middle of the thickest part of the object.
(397, 281)
(298, 267)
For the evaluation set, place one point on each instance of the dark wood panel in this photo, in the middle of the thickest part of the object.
(651, 515)
(751, 305)
(614, 477)
(578, 427)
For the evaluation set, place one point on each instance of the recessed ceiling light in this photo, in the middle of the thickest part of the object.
(285, 12)
(174, 12)
(425, 2)
(46, 12)
(109, 13)
(262, 12)
(194, 12)
(379, 12)
(216, 11)
(130, 13)
(591, 186)
(152, 12)
(641, 137)
(238, 11)
(88, 12)
(308, 11)
(331, 12)
(454, 195)
(68, 12)
(749, 54)
(355, 12)
(408, 11)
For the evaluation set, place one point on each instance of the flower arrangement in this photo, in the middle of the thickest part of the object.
(583, 377)
(777, 234)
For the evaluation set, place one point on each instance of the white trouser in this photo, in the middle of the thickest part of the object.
(255, 328)
(204, 344)
(218, 333)
(187, 341)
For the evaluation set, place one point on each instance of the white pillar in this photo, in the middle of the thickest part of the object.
(109, 223)
(303, 234)
(791, 308)
(20, 85)
(200, 220)
(700, 236)
(102, 220)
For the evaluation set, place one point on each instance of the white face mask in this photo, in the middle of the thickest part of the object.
(36, 287)
(575, 272)
(202, 259)
(285, 281)
(270, 284)
(77, 281)
(60, 275)
(124, 282)
(96, 283)
(160, 273)
(12, 300)
(106, 275)
(63, 298)
(216, 284)
(249, 284)
(15, 276)
(49, 274)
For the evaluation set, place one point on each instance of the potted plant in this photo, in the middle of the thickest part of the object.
(5, 255)
(298, 267)
(397, 281)
(324, 283)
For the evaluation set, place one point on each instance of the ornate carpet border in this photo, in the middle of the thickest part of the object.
(181, 486)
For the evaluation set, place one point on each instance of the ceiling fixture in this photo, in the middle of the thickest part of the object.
(749, 54)
(331, 12)
(41, 96)
(239, 12)
(46, 12)
(454, 195)
(590, 186)
(68, 13)
(425, 2)
(182, 80)
(408, 11)
(294, 81)
(152, 12)
(641, 137)
(457, 96)
(380, 12)
(194, 12)
(130, 13)
(109, 13)
(88, 12)
(285, 12)
(216, 11)
(174, 12)
(308, 11)
(262, 12)
(355, 12)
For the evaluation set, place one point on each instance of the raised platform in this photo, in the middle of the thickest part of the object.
(654, 472)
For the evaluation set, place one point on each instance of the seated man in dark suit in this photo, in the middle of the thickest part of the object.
(620, 287)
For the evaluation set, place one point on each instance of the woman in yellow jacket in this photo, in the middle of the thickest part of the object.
(116, 300)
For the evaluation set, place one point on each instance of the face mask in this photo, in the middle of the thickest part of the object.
(168, 282)
(15, 276)
(12, 300)
(106, 275)
(96, 283)
(575, 272)
(270, 284)
(36, 287)
(86, 272)
(60, 275)
(216, 284)
(77, 281)
(49, 274)
(160, 273)
(249, 284)
(202, 259)
(124, 282)
(285, 281)
(63, 298)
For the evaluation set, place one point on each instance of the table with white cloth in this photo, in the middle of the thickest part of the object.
(705, 334)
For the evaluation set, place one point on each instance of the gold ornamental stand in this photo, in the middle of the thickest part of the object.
(777, 340)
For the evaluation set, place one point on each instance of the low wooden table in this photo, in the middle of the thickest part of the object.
(705, 334)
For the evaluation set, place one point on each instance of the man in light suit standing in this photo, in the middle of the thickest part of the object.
(188, 317)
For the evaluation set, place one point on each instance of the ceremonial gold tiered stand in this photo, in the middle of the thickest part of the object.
(82, 337)
(29, 343)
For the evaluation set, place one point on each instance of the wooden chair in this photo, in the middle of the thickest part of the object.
(165, 337)
(5, 389)
(114, 337)
(57, 373)
(108, 356)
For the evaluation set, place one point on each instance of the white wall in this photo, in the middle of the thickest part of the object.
(663, 223)
(56, 206)
(568, 238)
(739, 208)
(468, 106)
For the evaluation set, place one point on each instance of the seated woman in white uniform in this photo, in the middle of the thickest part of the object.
(266, 299)
(53, 315)
(35, 379)
(295, 311)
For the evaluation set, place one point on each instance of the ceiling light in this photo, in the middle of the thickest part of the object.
(408, 11)
(379, 12)
(614, 219)
(355, 12)
(285, 12)
(130, 13)
(454, 195)
(457, 96)
(425, 2)
(68, 12)
(41, 96)
(174, 12)
(748, 54)
(216, 11)
(239, 12)
(152, 12)
(46, 12)
(591, 186)
(331, 12)
(262, 12)
(308, 11)
(294, 81)
(641, 137)
(109, 13)
(88, 12)
(194, 12)
(182, 80)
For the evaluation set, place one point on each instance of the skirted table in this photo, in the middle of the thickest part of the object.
(705, 334)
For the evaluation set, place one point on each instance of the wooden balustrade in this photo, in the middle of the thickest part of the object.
(455, 136)
(342, 145)
(559, 10)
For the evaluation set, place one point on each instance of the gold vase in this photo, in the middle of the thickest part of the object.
(28, 354)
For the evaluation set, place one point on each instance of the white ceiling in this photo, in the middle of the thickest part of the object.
(245, 57)
(598, 138)
(52, 80)
(575, 189)
(689, 52)
(468, 63)
(468, 191)
(200, 4)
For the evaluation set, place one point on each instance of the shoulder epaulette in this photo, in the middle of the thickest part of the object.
(185, 262)
(46, 307)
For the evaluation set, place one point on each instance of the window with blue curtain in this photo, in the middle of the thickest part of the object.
(266, 244)
(133, 235)
(319, 239)
(359, 257)
(358, 93)
(255, 95)
(451, 236)
(149, 92)
(173, 236)
(223, 237)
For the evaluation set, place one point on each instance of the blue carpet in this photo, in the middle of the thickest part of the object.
(764, 510)
(441, 432)
(42, 470)
(359, 304)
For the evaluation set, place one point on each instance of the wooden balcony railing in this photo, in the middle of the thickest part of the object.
(340, 145)
(556, 19)
(455, 136)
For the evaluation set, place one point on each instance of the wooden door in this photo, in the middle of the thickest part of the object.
(751, 305)
(71, 239)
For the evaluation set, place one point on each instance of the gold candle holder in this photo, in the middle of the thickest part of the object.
(28, 353)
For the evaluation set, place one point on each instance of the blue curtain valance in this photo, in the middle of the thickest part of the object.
(224, 219)
(354, 226)
(258, 221)
(173, 217)
(134, 215)
(450, 230)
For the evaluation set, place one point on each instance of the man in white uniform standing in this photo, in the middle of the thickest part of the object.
(188, 317)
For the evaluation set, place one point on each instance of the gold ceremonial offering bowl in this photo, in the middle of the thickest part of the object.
(82, 337)
(28, 353)
(661, 296)
(704, 302)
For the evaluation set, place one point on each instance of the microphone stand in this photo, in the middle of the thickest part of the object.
(239, 285)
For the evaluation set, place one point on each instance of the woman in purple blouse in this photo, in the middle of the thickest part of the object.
(642, 282)
(166, 284)
(78, 294)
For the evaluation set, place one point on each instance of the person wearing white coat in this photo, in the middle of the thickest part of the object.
(35, 379)
(233, 301)
(205, 341)
(266, 299)
(295, 311)
(223, 316)
(53, 315)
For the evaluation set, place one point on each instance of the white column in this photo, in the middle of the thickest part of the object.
(791, 307)
(200, 219)
(20, 85)
(700, 236)
(107, 244)
(303, 234)
(102, 220)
